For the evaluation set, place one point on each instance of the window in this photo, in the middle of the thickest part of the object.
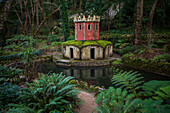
(89, 27)
(96, 27)
(79, 27)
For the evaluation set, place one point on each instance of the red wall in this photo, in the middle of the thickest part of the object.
(89, 34)
(97, 32)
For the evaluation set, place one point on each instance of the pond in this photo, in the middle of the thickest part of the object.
(100, 76)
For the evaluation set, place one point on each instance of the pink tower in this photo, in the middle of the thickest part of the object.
(87, 28)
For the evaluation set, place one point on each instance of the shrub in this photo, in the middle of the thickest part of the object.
(122, 101)
(9, 74)
(53, 38)
(8, 94)
(49, 93)
(55, 43)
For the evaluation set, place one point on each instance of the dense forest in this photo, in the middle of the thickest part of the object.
(34, 31)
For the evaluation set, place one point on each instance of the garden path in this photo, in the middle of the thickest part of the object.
(88, 103)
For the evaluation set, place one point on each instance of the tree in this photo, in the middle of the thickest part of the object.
(64, 18)
(149, 27)
(138, 22)
(3, 17)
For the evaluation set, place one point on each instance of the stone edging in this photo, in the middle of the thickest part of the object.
(83, 63)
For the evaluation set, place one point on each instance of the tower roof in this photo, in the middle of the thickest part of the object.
(83, 18)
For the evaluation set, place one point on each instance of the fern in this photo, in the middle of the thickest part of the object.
(154, 85)
(164, 93)
(115, 100)
(150, 106)
(128, 80)
(9, 74)
(19, 108)
(49, 93)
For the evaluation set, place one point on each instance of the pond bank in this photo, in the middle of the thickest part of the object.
(149, 65)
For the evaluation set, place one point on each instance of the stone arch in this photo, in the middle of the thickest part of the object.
(71, 52)
(86, 52)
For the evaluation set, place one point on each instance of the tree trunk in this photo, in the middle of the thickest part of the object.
(21, 9)
(42, 13)
(37, 30)
(37, 17)
(119, 17)
(108, 22)
(3, 17)
(149, 29)
(20, 21)
(80, 5)
(75, 4)
(138, 23)
(33, 15)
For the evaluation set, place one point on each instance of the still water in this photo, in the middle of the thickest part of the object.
(100, 76)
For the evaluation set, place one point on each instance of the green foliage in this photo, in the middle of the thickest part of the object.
(128, 80)
(28, 52)
(154, 85)
(19, 108)
(116, 62)
(17, 39)
(52, 38)
(64, 18)
(55, 44)
(57, 31)
(163, 93)
(115, 100)
(8, 94)
(49, 93)
(162, 57)
(9, 75)
(150, 106)
(71, 37)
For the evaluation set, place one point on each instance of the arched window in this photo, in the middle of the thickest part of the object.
(80, 27)
(96, 27)
(89, 27)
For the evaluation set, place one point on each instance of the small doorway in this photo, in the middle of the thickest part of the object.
(71, 52)
(72, 72)
(92, 74)
(92, 53)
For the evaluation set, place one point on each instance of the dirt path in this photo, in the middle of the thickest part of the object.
(88, 103)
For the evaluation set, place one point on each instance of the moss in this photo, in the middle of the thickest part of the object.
(72, 42)
(104, 43)
(82, 44)
(91, 42)
(151, 65)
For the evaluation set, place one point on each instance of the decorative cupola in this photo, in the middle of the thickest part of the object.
(87, 28)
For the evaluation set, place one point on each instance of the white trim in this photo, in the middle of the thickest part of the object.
(84, 31)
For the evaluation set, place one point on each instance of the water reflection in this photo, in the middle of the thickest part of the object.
(100, 76)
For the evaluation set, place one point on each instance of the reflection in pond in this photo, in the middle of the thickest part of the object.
(100, 76)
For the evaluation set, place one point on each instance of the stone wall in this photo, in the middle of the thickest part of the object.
(108, 53)
(76, 52)
(85, 52)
